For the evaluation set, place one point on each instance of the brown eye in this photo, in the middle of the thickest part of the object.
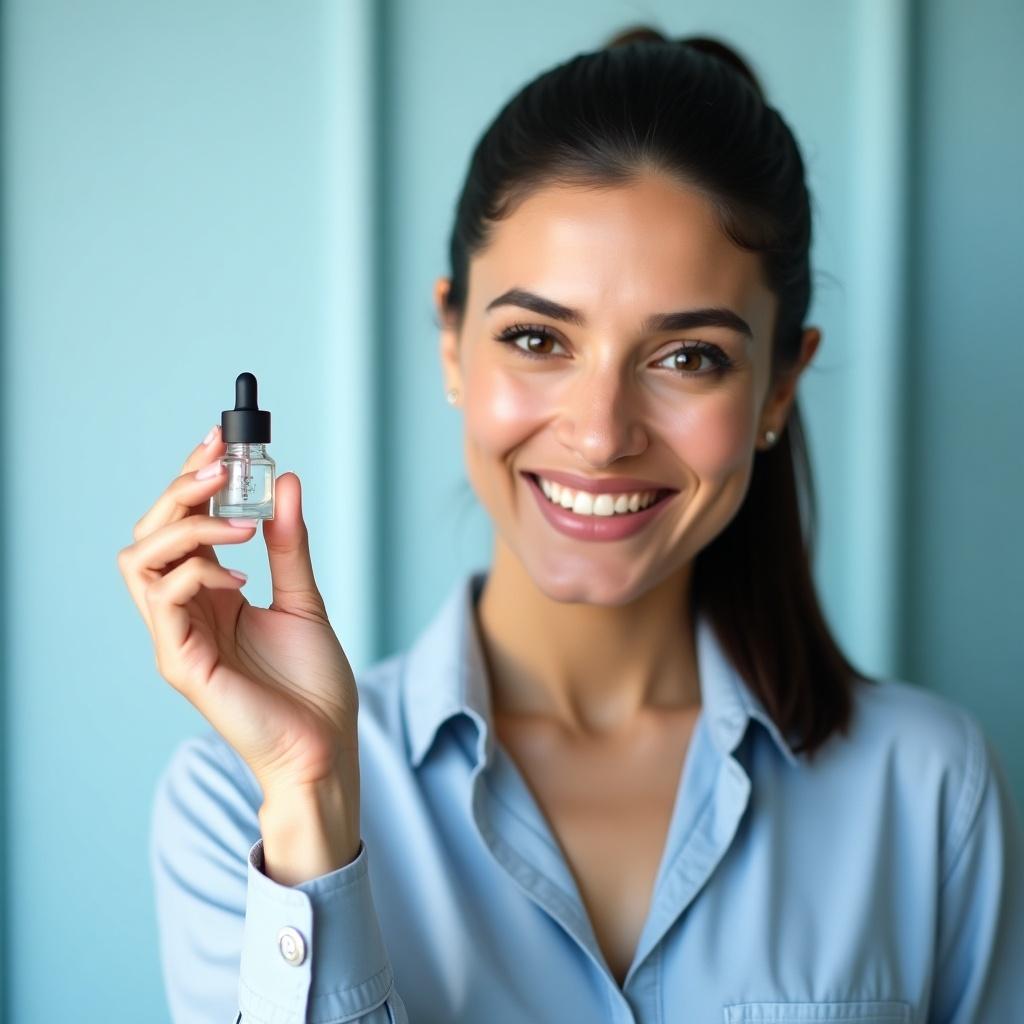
(540, 340)
(536, 340)
(690, 360)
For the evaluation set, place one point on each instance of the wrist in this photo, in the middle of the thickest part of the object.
(310, 831)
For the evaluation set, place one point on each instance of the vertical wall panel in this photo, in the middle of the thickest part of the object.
(873, 487)
(965, 547)
(188, 194)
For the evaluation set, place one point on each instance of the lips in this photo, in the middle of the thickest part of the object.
(595, 528)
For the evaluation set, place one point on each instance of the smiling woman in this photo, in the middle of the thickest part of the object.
(657, 207)
(626, 773)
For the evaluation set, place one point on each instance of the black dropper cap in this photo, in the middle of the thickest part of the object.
(245, 424)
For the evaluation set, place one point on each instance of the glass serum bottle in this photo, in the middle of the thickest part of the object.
(248, 491)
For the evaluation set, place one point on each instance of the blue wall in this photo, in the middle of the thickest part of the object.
(193, 189)
(964, 565)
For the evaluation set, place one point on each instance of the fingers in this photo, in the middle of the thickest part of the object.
(187, 494)
(143, 563)
(287, 540)
(184, 656)
(203, 452)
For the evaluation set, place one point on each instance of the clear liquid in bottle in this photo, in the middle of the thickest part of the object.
(248, 491)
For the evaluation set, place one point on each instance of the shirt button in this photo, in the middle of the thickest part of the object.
(292, 946)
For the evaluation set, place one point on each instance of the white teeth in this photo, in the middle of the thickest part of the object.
(586, 504)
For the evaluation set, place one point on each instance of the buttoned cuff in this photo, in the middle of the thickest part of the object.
(313, 951)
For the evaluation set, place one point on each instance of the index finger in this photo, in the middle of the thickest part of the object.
(166, 509)
(203, 452)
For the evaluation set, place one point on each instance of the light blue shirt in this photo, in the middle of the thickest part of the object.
(882, 882)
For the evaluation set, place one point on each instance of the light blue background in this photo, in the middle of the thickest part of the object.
(191, 189)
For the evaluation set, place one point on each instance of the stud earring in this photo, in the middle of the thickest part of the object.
(452, 395)
(770, 436)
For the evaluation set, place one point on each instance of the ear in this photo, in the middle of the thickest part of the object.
(776, 408)
(449, 337)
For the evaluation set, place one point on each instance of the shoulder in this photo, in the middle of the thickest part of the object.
(924, 729)
(930, 750)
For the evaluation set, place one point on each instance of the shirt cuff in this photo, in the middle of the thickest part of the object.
(313, 951)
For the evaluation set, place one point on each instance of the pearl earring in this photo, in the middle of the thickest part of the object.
(452, 395)
(770, 436)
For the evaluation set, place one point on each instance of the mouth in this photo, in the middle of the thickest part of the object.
(578, 526)
(659, 495)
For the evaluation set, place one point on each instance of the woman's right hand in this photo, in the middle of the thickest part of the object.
(274, 682)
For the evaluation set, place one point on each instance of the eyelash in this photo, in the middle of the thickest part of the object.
(722, 363)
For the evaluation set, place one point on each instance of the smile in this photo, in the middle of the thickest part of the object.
(586, 503)
(596, 517)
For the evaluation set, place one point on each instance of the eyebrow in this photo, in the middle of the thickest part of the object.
(683, 320)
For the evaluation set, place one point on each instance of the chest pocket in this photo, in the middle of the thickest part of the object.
(889, 1011)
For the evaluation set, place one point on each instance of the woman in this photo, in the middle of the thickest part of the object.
(626, 774)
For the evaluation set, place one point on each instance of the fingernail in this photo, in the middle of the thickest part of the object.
(238, 572)
(211, 435)
(244, 523)
(211, 470)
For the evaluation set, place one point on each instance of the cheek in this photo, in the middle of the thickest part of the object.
(501, 410)
(713, 436)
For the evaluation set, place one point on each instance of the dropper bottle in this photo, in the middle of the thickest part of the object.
(248, 492)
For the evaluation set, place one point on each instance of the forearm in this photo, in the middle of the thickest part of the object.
(310, 832)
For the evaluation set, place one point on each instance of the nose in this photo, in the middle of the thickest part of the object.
(602, 420)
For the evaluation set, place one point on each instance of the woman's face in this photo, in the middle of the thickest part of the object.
(604, 397)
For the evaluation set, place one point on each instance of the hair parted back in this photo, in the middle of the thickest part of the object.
(692, 109)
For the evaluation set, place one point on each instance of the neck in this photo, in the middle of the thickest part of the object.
(590, 669)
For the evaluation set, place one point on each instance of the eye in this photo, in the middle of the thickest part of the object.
(511, 335)
(704, 352)
(697, 352)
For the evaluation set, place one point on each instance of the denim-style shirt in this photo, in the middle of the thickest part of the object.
(883, 882)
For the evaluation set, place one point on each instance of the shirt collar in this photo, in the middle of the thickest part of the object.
(445, 674)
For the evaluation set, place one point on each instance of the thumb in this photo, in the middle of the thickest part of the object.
(287, 540)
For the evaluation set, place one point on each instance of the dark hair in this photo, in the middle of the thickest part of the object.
(693, 109)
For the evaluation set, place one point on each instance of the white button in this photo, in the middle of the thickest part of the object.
(292, 946)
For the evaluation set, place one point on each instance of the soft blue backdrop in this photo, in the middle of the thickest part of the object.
(191, 189)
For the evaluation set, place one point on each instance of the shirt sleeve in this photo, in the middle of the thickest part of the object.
(980, 942)
(314, 951)
(236, 946)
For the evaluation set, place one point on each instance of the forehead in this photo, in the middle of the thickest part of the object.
(648, 246)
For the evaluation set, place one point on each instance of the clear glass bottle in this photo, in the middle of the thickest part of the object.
(248, 491)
